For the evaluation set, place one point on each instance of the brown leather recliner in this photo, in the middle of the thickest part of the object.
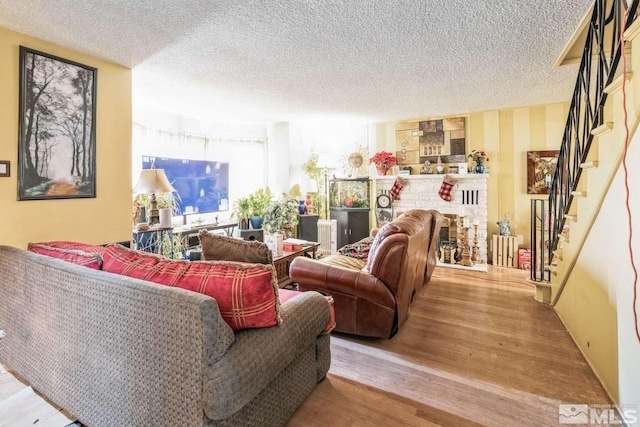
(372, 297)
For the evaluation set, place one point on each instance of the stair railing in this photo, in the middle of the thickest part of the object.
(598, 67)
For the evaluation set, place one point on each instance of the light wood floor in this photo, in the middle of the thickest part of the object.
(477, 350)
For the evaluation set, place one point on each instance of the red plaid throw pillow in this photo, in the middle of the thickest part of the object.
(74, 246)
(247, 294)
(127, 262)
(75, 256)
(447, 187)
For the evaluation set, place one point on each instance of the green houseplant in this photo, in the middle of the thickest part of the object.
(163, 200)
(242, 211)
(260, 201)
(282, 216)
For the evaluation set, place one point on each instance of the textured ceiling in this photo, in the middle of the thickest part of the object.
(282, 60)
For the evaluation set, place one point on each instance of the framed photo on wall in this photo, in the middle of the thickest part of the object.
(57, 141)
(5, 168)
(541, 166)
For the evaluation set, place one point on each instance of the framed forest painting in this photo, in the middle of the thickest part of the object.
(57, 141)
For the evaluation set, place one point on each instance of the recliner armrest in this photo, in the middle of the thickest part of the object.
(317, 275)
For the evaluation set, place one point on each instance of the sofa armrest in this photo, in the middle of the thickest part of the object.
(260, 355)
(329, 278)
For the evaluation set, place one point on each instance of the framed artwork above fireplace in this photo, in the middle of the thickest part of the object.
(417, 142)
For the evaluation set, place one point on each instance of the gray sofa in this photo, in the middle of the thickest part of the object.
(113, 350)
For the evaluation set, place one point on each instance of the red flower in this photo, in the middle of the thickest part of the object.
(383, 159)
(479, 156)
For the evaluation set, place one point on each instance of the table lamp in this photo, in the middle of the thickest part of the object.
(309, 186)
(153, 181)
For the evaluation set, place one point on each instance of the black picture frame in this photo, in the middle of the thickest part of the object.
(57, 128)
(5, 168)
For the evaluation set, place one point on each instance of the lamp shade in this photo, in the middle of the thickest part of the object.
(309, 185)
(153, 181)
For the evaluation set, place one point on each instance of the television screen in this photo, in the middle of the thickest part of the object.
(202, 185)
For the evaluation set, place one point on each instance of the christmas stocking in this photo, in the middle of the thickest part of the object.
(397, 187)
(447, 186)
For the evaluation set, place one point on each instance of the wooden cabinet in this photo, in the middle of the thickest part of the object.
(353, 224)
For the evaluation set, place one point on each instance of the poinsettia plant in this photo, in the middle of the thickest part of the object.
(479, 156)
(383, 160)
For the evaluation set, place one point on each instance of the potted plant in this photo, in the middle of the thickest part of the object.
(142, 202)
(242, 211)
(260, 201)
(383, 161)
(479, 157)
(282, 216)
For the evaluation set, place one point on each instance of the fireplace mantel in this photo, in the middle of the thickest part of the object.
(469, 195)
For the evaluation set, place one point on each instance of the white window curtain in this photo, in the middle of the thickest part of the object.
(246, 156)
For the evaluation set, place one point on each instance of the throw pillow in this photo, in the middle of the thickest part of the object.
(79, 257)
(359, 249)
(128, 262)
(247, 294)
(75, 246)
(216, 247)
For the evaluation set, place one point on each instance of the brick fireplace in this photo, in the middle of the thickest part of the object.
(469, 197)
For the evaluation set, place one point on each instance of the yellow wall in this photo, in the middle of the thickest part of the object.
(106, 218)
(506, 136)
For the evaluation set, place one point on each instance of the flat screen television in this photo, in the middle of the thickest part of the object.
(202, 185)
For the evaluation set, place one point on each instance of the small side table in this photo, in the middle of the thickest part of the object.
(152, 240)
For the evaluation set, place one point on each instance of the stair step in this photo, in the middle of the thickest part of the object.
(579, 193)
(589, 165)
(564, 238)
(558, 253)
(616, 84)
(571, 217)
(552, 268)
(603, 128)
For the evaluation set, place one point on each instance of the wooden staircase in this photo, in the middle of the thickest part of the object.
(605, 158)
(596, 174)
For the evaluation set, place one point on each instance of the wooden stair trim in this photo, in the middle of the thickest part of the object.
(633, 31)
(579, 193)
(589, 165)
(616, 84)
(558, 253)
(571, 217)
(602, 129)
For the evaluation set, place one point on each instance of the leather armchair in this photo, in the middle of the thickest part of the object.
(372, 297)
